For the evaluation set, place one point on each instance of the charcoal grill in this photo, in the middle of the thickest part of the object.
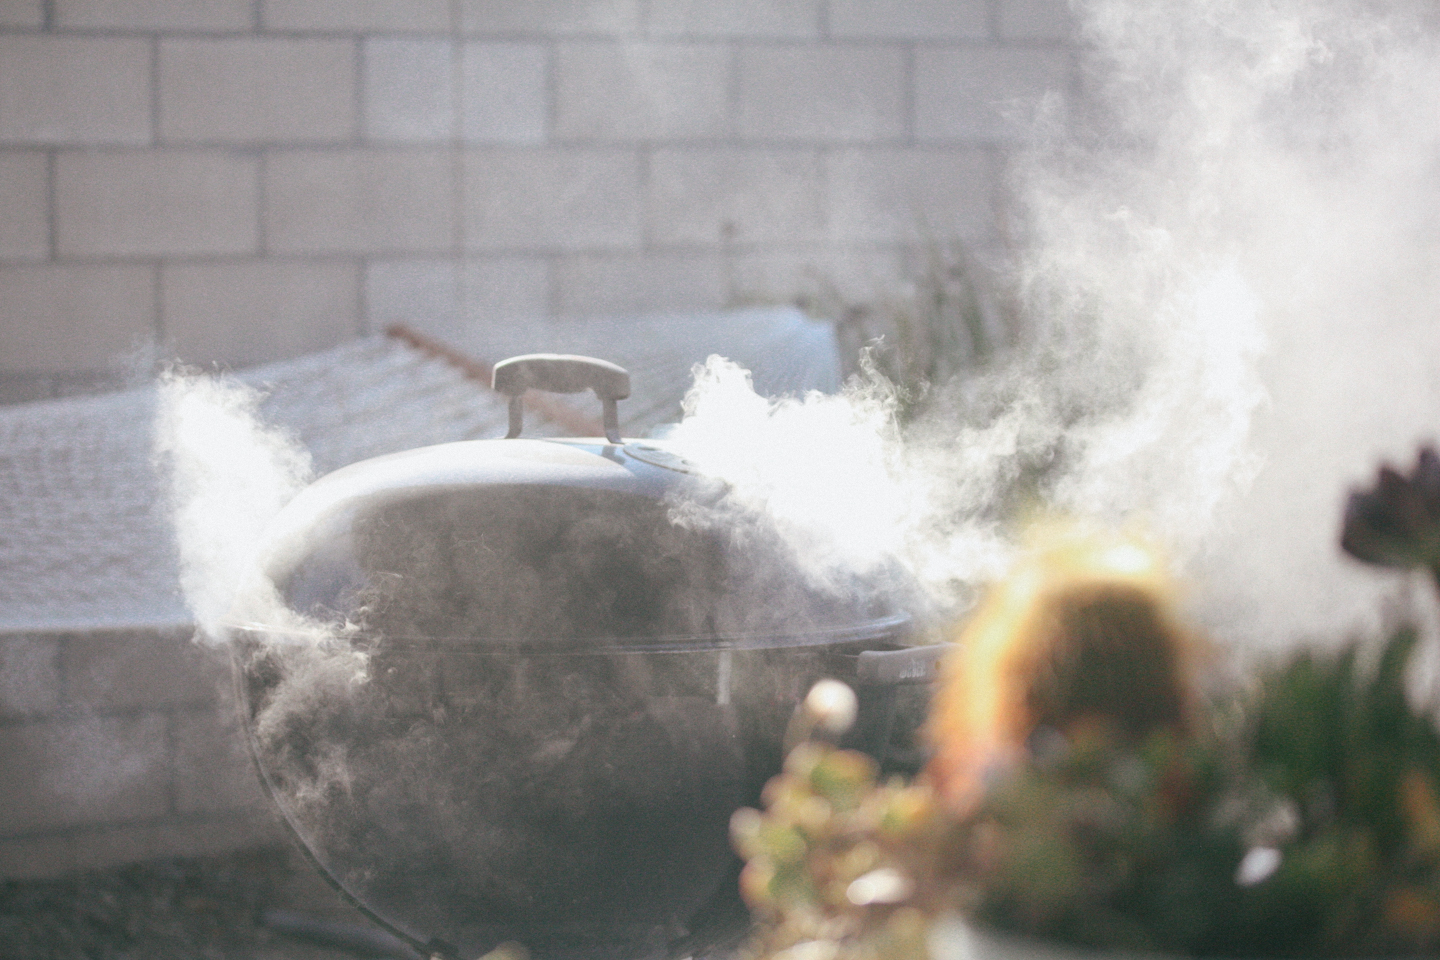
(538, 694)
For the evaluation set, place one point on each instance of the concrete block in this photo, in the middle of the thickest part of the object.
(849, 92)
(64, 317)
(505, 92)
(96, 848)
(23, 387)
(90, 771)
(910, 195)
(22, 13)
(140, 669)
(505, 289)
(458, 302)
(29, 674)
(213, 769)
(117, 375)
(194, 836)
(155, 203)
(160, 15)
(827, 278)
(251, 89)
(789, 19)
(423, 293)
(409, 89)
(360, 16)
(910, 19)
(631, 284)
(550, 17)
(519, 199)
(74, 90)
(24, 187)
(711, 196)
(634, 91)
(985, 94)
(256, 311)
(31, 858)
(383, 201)
(1036, 20)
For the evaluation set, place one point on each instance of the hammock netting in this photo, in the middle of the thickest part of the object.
(86, 538)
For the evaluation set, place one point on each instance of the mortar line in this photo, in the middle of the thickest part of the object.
(199, 818)
(52, 162)
(65, 713)
(458, 192)
(644, 164)
(359, 138)
(157, 287)
(363, 325)
(172, 756)
(262, 202)
(907, 108)
(732, 94)
(155, 138)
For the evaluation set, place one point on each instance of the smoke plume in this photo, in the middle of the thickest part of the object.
(1229, 258)
(1231, 248)
(1245, 224)
(229, 476)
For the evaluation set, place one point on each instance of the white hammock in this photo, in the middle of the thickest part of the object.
(86, 538)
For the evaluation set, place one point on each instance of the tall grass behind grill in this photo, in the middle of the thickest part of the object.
(951, 317)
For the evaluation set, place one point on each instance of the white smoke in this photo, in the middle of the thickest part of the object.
(1232, 266)
(846, 511)
(1292, 146)
(850, 492)
(230, 475)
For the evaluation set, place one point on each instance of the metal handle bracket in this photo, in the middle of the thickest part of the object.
(562, 373)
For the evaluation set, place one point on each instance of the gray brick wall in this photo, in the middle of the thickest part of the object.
(244, 180)
(120, 745)
(239, 181)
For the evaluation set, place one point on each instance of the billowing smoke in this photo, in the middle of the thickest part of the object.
(229, 476)
(1230, 264)
(1244, 223)
(1231, 256)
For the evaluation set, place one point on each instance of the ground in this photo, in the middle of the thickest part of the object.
(233, 907)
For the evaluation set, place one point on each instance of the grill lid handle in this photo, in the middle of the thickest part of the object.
(561, 373)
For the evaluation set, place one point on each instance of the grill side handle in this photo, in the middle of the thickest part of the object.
(894, 667)
(877, 675)
(562, 373)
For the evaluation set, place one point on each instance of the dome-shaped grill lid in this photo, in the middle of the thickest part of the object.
(564, 565)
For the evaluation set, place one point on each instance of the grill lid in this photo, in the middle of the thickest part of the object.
(560, 545)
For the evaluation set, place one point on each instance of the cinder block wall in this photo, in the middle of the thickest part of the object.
(119, 746)
(247, 180)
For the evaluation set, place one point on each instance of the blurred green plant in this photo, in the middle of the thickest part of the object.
(1312, 829)
(1396, 522)
(1297, 818)
(950, 318)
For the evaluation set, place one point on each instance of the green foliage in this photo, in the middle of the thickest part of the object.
(1361, 766)
(1107, 844)
(1329, 782)
(1301, 821)
(836, 864)
(1343, 743)
(951, 318)
(1334, 774)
